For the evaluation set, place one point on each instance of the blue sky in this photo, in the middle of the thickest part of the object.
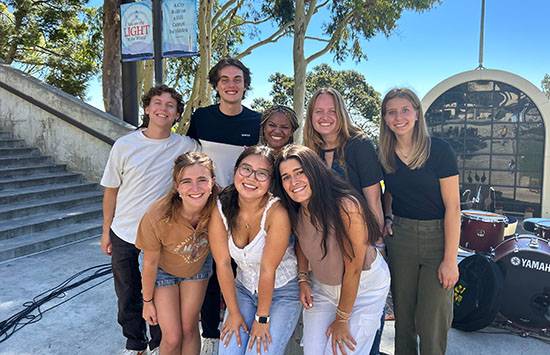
(428, 47)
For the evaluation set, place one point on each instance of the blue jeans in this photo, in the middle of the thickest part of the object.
(285, 312)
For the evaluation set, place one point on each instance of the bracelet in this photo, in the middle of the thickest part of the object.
(342, 315)
(388, 217)
(303, 277)
(147, 301)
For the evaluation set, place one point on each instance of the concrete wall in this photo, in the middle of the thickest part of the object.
(539, 99)
(64, 142)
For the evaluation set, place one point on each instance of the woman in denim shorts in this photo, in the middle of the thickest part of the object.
(251, 227)
(176, 257)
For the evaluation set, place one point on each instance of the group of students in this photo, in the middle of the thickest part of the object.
(277, 227)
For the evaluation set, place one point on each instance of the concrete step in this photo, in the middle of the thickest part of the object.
(56, 203)
(18, 152)
(23, 160)
(40, 241)
(5, 135)
(30, 170)
(42, 179)
(45, 191)
(11, 143)
(47, 221)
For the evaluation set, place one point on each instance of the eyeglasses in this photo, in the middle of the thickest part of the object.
(261, 175)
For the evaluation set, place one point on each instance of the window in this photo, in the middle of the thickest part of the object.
(497, 133)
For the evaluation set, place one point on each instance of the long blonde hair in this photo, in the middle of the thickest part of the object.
(346, 128)
(171, 203)
(387, 140)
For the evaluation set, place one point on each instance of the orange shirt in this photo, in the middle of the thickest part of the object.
(183, 249)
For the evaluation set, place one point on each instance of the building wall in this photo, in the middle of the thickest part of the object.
(539, 99)
(64, 142)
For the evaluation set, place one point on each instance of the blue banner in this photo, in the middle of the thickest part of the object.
(136, 22)
(179, 28)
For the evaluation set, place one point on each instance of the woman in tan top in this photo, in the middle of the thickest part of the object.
(344, 296)
(176, 257)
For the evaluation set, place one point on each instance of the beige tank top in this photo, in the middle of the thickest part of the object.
(330, 269)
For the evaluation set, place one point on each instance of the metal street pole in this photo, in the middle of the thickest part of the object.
(157, 40)
(130, 105)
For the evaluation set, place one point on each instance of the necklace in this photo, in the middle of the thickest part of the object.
(399, 151)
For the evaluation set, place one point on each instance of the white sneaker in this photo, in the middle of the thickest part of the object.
(155, 351)
(210, 346)
(133, 352)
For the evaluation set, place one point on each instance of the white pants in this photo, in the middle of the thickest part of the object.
(374, 286)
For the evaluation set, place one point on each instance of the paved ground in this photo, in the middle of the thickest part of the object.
(87, 323)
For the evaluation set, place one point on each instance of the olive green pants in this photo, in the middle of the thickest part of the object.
(423, 308)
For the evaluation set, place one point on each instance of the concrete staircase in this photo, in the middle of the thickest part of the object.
(42, 205)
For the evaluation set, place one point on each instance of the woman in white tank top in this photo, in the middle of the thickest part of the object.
(251, 227)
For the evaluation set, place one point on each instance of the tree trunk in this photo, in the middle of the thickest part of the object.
(300, 65)
(112, 67)
(145, 74)
(200, 95)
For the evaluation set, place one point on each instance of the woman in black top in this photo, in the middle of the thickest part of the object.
(329, 131)
(422, 209)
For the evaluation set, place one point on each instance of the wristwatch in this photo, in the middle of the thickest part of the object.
(261, 319)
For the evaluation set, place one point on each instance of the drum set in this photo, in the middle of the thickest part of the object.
(524, 260)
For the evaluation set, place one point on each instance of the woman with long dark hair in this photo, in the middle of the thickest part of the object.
(345, 294)
(251, 227)
(422, 212)
(176, 257)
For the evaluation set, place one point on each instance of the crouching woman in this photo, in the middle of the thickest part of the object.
(345, 295)
(176, 256)
(251, 227)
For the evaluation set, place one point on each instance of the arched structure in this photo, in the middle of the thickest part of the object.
(499, 125)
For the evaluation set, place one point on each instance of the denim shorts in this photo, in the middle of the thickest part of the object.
(166, 279)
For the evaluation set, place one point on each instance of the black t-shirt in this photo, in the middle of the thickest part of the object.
(362, 168)
(223, 137)
(210, 124)
(416, 194)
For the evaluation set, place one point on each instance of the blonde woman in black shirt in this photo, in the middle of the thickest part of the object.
(422, 217)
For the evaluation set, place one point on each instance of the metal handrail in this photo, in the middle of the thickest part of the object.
(58, 114)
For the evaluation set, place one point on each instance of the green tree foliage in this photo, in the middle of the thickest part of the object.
(362, 101)
(545, 85)
(58, 41)
(346, 25)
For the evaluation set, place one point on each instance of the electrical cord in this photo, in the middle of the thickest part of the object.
(11, 325)
(507, 329)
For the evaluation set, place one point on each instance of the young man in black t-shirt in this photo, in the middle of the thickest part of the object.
(223, 129)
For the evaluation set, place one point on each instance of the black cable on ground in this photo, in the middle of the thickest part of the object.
(26, 316)
(507, 329)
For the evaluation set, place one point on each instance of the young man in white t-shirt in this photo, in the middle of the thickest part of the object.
(138, 172)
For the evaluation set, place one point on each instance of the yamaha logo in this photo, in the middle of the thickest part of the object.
(530, 264)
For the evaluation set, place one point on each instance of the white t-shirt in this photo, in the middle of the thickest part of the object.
(141, 168)
(224, 157)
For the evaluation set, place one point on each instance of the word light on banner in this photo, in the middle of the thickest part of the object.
(179, 28)
(136, 31)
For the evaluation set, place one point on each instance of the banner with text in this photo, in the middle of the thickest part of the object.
(136, 31)
(179, 28)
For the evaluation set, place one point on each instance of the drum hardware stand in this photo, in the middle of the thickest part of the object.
(534, 243)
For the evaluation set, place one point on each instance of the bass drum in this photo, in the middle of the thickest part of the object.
(525, 264)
